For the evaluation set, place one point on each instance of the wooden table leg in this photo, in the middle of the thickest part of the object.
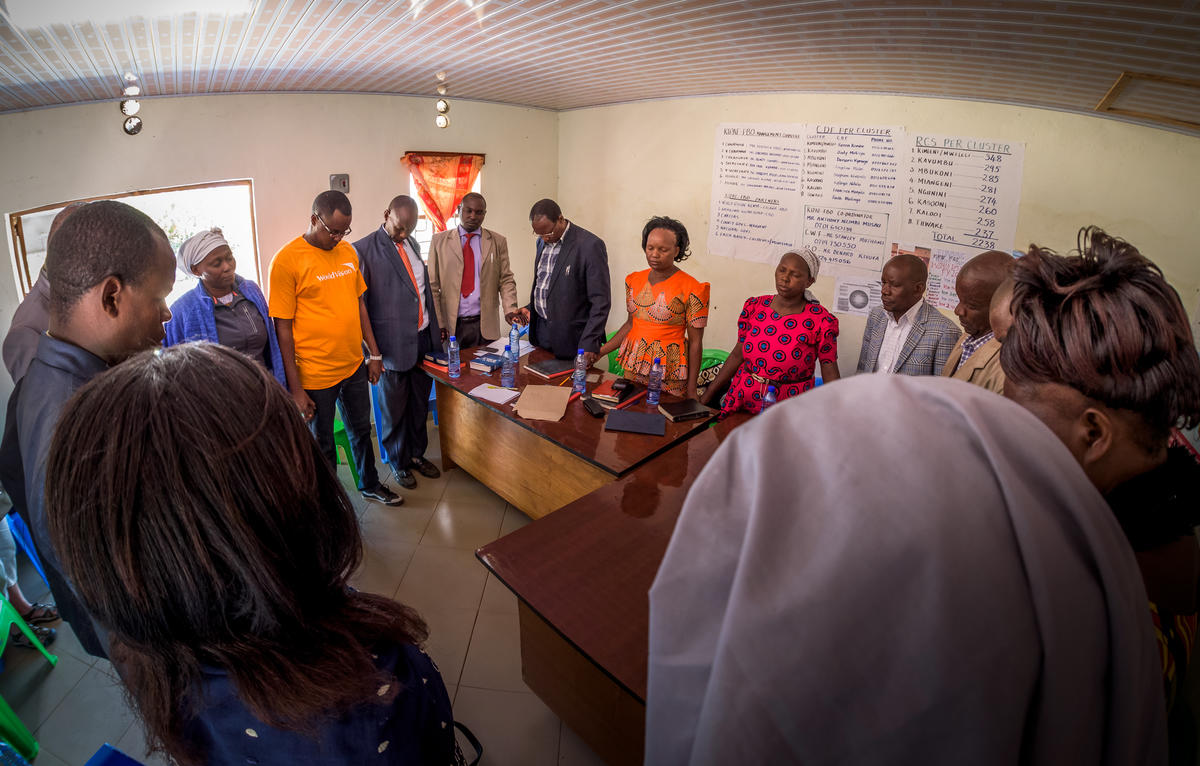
(603, 713)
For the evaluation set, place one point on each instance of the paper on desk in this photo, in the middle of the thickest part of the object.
(543, 402)
(490, 393)
(498, 347)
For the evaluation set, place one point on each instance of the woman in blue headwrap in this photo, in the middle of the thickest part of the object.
(224, 308)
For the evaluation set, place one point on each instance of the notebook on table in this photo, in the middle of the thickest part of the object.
(688, 409)
(651, 423)
(551, 368)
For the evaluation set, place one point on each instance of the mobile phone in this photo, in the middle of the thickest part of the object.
(593, 407)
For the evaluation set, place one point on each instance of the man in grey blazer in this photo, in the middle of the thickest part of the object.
(906, 335)
(400, 305)
(568, 307)
(468, 301)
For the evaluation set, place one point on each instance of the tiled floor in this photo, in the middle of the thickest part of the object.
(421, 553)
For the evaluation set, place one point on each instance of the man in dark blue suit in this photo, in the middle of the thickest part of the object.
(569, 305)
(400, 305)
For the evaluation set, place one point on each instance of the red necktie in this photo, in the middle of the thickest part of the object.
(468, 280)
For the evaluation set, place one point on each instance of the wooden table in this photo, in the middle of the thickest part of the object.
(582, 576)
(537, 465)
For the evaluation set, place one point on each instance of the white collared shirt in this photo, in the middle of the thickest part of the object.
(418, 270)
(894, 335)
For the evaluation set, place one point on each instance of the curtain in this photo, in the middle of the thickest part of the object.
(442, 180)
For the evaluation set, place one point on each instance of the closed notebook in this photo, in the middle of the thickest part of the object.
(606, 392)
(438, 359)
(652, 423)
(550, 368)
(688, 409)
(487, 362)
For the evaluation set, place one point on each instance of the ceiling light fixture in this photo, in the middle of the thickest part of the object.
(442, 89)
(29, 14)
(442, 106)
(442, 121)
(130, 107)
(132, 126)
(133, 90)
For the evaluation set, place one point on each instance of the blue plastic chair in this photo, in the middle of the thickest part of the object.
(20, 533)
(108, 755)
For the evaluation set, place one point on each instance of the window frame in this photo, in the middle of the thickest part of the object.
(20, 256)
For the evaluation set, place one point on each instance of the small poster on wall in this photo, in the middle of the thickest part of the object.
(856, 295)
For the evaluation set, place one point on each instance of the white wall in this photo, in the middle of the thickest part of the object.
(289, 144)
(620, 165)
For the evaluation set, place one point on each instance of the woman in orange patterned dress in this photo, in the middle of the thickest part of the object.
(667, 313)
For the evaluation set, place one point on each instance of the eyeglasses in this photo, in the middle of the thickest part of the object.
(333, 233)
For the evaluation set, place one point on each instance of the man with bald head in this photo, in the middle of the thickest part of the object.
(976, 356)
(906, 335)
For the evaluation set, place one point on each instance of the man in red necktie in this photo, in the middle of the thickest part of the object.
(470, 277)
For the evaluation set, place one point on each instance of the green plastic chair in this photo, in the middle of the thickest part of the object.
(341, 445)
(613, 367)
(12, 729)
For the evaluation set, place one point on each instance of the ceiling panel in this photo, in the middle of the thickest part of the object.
(563, 55)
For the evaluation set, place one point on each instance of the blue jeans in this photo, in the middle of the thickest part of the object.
(353, 398)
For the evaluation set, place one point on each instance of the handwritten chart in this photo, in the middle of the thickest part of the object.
(756, 213)
(961, 199)
(859, 195)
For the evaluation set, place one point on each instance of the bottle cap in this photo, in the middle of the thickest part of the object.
(580, 351)
(770, 389)
(453, 338)
(507, 347)
(657, 360)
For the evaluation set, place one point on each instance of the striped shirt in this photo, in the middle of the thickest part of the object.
(541, 289)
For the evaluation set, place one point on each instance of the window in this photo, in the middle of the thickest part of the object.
(424, 231)
(181, 211)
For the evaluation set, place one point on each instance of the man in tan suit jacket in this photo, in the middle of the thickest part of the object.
(468, 305)
(976, 356)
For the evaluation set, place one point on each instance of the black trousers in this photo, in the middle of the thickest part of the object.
(466, 329)
(353, 397)
(403, 408)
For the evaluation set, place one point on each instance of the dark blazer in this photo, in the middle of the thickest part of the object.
(392, 301)
(579, 296)
(925, 350)
(58, 370)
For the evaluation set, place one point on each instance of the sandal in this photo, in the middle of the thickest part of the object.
(45, 635)
(39, 614)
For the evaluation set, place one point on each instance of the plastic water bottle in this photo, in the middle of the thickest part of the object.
(654, 386)
(579, 385)
(452, 352)
(514, 342)
(507, 371)
(770, 398)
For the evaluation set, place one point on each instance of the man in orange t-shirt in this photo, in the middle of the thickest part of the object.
(321, 320)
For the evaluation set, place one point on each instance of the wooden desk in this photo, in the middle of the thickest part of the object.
(538, 465)
(583, 578)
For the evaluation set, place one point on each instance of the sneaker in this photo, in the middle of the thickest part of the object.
(425, 468)
(383, 495)
(404, 478)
